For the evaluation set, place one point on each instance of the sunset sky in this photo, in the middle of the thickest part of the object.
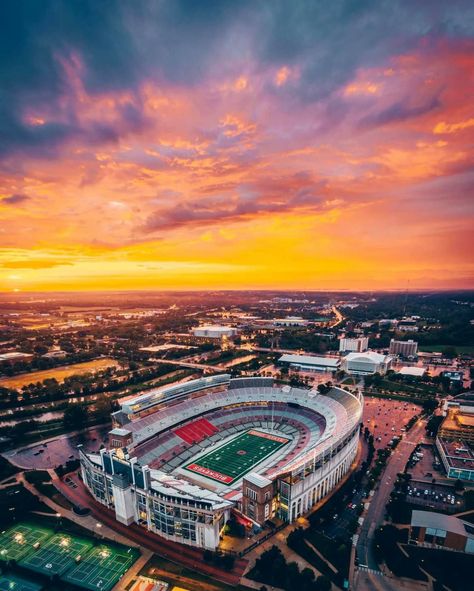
(198, 144)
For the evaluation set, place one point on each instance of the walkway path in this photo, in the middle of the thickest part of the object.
(133, 571)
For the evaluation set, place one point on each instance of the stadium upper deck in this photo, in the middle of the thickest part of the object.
(213, 437)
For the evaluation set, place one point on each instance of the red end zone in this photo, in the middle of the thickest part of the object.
(268, 436)
(211, 473)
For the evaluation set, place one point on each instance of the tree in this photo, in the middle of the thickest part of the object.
(458, 485)
(469, 499)
(75, 416)
(228, 562)
(323, 584)
(103, 409)
(450, 352)
(430, 404)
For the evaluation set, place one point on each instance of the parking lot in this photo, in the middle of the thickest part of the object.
(58, 451)
(386, 418)
(424, 468)
(435, 496)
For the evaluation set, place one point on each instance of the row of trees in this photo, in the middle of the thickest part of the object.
(273, 569)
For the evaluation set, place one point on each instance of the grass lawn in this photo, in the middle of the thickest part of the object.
(466, 349)
(60, 373)
(7, 469)
(37, 476)
(49, 490)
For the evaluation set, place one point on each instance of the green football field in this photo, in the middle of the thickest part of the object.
(234, 459)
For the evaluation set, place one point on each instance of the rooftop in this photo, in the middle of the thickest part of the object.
(120, 432)
(257, 479)
(368, 356)
(442, 522)
(412, 371)
(311, 360)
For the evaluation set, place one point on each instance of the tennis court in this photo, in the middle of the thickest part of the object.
(14, 583)
(103, 566)
(57, 555)
(234, 459)
(20, 540)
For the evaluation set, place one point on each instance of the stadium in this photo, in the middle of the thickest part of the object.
(183, 458)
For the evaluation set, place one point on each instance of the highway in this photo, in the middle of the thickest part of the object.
(192, 365)
(339, 317)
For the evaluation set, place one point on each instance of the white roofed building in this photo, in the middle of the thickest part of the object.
(416, 372)
(366, 363)
(310, 363)
(214, 331)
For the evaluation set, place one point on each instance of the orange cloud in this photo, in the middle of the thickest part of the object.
(442, 127)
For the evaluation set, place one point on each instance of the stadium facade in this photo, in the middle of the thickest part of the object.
(183, 458)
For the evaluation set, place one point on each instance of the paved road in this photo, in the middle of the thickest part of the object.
(191, 365)
(376, 512)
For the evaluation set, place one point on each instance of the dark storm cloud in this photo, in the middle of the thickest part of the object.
(123, 43)
(15, 199)
(400, 111)
(299, 191)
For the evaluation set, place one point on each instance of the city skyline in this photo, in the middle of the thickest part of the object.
(219, 145)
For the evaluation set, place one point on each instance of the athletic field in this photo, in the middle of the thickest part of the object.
(20, 540)
(70, 557)
(15, 583)
(234, 459)
(57, 555)
(102, 567)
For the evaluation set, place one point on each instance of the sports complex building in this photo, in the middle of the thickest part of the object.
(183, 458)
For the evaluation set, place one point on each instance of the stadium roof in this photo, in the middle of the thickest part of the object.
(167, 484)
(311, 360)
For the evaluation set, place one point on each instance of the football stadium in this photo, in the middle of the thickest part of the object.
(184, 458)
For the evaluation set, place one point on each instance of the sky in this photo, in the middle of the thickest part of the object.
(189, 144)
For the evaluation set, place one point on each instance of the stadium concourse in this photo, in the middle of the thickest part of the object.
(183, 459)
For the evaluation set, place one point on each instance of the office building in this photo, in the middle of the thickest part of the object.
(358, 345)
(403, 348)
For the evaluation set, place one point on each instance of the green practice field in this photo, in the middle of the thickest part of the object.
(234, 459)
(19, 540)
(14, 583)
(57, 555)
(102, 567)
(72, 558)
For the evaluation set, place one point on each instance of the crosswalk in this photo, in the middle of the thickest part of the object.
(372, 571)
